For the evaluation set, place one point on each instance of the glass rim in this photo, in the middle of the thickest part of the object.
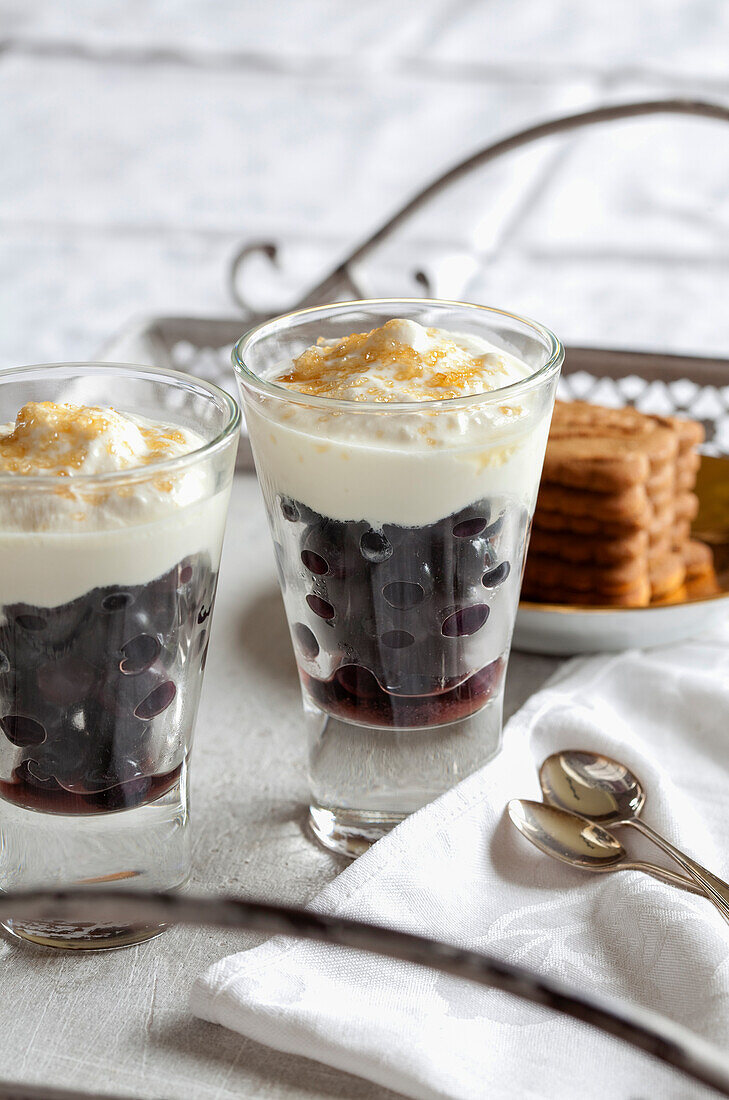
(555, 358)
(132, 473)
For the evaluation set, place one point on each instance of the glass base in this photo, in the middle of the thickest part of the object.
(350, 832)
(366, 780)
(145, 848)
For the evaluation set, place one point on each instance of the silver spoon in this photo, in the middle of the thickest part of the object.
(607, 793)
(582, 843)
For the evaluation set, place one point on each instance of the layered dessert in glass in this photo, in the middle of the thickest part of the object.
(399, 447)
(110, 536)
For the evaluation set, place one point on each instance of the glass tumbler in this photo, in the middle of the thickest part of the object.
(400, 532)
(107, 585)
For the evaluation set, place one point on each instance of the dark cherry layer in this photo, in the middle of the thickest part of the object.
(27, 792)
(88, 690)
(354, 694)
(402, 611)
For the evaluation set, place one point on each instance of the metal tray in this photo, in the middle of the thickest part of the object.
(686, 385)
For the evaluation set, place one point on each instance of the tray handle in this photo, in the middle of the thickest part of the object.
(341, 282)
(644, 1030)
(641, 1028)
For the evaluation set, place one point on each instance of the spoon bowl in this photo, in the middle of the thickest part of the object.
(566, 836)
(592, 785)
(581, 843)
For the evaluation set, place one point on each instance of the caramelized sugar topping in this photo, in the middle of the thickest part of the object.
(56, 439)
(373, 363)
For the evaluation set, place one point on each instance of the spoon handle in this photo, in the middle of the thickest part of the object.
(660, 873)
(715, 889)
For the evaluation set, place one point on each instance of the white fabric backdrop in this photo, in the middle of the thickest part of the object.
(142, 142)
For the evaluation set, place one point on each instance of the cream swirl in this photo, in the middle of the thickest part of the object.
(402, 361)
(64, 441)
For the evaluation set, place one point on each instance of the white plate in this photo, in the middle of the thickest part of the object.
(562, 629)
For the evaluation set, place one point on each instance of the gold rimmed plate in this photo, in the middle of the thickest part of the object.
(563, 629)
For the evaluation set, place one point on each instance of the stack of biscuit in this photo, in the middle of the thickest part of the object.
(613, 517)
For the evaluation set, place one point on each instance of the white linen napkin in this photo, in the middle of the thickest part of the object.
(457, 870)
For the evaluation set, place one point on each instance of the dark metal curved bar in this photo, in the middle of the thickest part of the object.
(270, 250)
(330, 288)
(637, 1026)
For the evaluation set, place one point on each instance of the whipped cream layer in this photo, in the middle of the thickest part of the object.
(56, 543)
(406, 466)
